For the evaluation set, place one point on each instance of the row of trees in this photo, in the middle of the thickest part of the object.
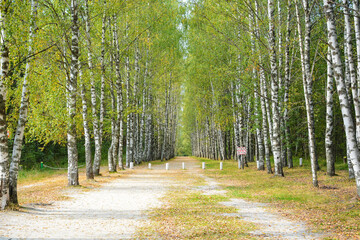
(94, 70)
(266, 76)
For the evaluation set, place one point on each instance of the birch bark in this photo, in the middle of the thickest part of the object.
(95, 118)
(23, 111)
(4, 69)
(307, 84)
(287, 86)
(352, 69)
(88, 158)
(119, 103)
(330, 160)
(351, 142)
(274, 92)
(73, 175)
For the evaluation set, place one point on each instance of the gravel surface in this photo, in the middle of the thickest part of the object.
(113, 211)
(117, 209)
(272, 226)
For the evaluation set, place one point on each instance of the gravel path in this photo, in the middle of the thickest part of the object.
(117, 209)
(112, 212)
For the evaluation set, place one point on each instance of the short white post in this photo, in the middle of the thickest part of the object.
(203, 165)
(239, 164)
(221, 165)
(131, 165)
(149, 165)
(167, 166)
(257, 164)
(301, 162)
(183, 166)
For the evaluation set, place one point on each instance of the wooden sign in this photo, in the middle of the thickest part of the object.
(241, 151)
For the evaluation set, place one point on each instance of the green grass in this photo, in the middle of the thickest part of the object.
(332, 207)
(188, 214)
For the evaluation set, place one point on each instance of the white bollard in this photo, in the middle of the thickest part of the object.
(149, 165)
(221, 165)
(257, 164)
(301, 162)
(131, 165)
(167, 166)
(203, 165)
(239, 164)
(183, 166)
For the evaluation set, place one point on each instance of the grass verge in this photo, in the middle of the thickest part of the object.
(332, 208)
(188, 214)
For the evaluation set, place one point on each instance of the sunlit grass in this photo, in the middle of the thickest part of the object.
(188, 214)
(331, 208)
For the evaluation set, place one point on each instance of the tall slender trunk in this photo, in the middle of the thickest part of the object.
(119, 103)
(352, 69)
(307, 84)
(165, 126)
(354, 154)
(73, 173)
(95, 118)
(4, 69)
(235, 124)
(135, 116)
(263, 103)
(128, 120)
(357, 37)
(281, 87)
(111, 150)
(330, 160)
(287, 86)
(88, 158)
(274, 92)
(23, 112)
(259, 135)
(103, 73)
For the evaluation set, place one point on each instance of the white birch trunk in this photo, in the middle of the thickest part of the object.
(352, 69)
(119, 104)
(357, 37)
(73, 174)
(97, 156)
(330, 160)
(349, 127)
(259, 135)
(103, 72)
(4, 69)
(274, 92)
(87, 135)
(307, 84)
(23, 111)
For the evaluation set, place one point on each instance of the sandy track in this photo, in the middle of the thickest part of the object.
(117, 209)
(113, 211)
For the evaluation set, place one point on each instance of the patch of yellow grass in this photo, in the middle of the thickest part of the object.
(332, 208)
(187, 214)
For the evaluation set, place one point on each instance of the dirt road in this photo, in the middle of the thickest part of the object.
(117, 209)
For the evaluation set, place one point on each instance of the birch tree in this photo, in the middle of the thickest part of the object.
(274, 92)
(350, 130)
(4, 69)
(73, 175)
(23, 111)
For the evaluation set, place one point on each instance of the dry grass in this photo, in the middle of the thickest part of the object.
(331, 208)
(187, 214)
(45, 188)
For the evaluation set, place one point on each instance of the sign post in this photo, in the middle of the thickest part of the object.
(241, 151)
